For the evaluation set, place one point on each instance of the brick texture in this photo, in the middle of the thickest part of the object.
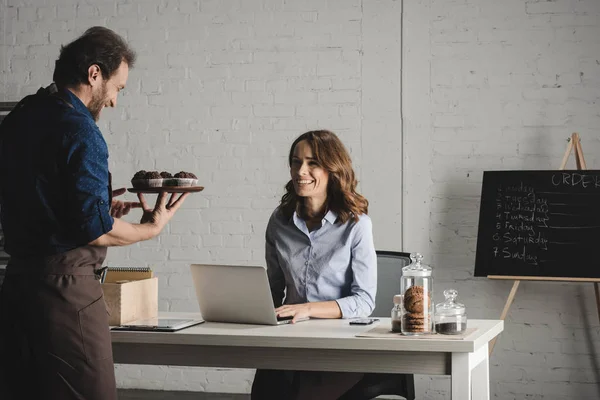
(427, 94)
(500, 85)
(221, 88)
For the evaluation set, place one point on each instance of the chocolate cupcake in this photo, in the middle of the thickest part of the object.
(141, 174)
(153, 179)
(146, 179)
(153, 175)
(168, 179)
(139, 179)
(183, 174)
(186, 179)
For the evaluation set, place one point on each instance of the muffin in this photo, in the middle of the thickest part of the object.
(186, 178)
(168, 179)
(146, 179)
(139, 179)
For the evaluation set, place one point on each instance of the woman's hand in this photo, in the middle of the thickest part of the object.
(316, 309)
(298, 311)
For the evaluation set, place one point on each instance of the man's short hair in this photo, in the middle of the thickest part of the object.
(98, 45)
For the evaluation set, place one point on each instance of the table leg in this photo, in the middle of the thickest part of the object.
(470, 378)
(460, 380)
(481, 375)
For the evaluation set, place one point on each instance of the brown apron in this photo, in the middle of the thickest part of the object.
(54, 334)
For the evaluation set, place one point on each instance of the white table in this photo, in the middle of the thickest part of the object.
(318, 345)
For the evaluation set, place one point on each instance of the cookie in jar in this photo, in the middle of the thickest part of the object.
(417, 289)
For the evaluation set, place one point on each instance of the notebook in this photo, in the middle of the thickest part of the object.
(159, 324)
(119, 274)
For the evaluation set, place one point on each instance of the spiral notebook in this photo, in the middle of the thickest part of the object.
(125, 274)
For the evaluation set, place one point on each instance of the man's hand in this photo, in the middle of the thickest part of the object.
(119, 208)
(298, 311)
(163, 211)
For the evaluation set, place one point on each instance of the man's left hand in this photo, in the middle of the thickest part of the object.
(119, 208)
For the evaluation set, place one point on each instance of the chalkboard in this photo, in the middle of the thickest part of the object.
(539, 224)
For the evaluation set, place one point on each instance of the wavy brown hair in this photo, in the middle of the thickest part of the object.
(331, 154)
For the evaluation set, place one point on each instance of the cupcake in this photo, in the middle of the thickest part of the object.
(146, 179)
(186, 179)
(139, 179)
(168, 179)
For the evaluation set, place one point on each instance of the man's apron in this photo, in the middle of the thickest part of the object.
(54, 334)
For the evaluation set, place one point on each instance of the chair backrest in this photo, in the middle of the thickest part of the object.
(389, 272)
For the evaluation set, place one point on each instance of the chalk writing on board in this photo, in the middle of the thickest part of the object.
(575, 179)
(520, 213)
(539, 223)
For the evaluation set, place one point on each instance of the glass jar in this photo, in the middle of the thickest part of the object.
(417, 289)
(450, 316)
(397, 314)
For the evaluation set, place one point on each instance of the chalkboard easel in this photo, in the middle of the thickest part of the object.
(574, 146)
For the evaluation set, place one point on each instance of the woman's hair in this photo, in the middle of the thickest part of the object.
(342, 198)
(98, 45)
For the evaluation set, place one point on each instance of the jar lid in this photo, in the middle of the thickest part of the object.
(450, 306)
(416, 268)
(398, 299)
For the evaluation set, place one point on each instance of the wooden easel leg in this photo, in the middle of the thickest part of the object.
(579, 153)
(509, 301)
(567, 153)
(580, 161)
(597, 290)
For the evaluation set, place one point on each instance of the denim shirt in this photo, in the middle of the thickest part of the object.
(54, 180)
(335, 262)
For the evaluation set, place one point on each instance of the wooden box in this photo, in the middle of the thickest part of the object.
(131, 300)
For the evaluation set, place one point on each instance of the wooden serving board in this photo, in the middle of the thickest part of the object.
(168, 189)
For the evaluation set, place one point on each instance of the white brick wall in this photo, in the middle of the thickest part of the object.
(222, 87)
(501, 85)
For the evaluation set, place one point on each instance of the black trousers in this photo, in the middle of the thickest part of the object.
(54, 334)
(302, 385)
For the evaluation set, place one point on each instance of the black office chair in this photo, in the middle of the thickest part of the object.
(389, 271)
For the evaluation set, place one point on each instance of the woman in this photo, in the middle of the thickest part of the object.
(320, 256)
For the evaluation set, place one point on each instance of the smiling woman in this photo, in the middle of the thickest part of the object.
(321, 169)
(320, 256)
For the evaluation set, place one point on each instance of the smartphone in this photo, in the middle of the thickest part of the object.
(363, 321)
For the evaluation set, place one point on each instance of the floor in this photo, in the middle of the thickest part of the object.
(135, 394)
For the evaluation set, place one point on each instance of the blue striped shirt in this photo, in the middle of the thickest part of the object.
(335, 262)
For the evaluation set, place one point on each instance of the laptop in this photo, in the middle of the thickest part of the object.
(235, 293)
(158, 324)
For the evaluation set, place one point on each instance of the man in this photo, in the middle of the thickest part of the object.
(58, 217)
